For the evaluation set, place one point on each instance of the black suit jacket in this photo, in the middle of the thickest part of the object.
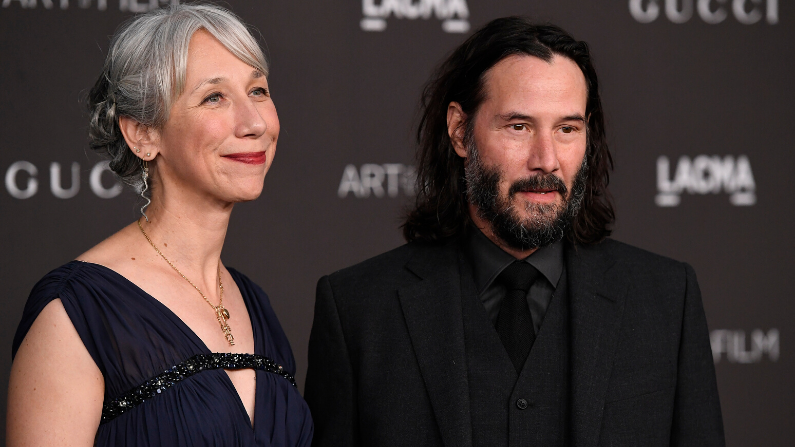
(387, 365)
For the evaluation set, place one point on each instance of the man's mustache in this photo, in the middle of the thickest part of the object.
(539, 181)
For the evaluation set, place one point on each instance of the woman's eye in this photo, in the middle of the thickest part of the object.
(215, 98)
(260, 92)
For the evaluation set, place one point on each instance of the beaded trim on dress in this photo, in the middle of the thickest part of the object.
(196, 364)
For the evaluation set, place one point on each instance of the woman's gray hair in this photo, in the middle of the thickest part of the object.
(145, 69)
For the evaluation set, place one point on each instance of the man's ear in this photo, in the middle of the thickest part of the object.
(142, 139)
(456, 120)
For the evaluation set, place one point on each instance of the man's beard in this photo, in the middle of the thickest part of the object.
(544, 224)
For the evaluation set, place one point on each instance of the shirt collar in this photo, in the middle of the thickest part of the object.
(489, 260)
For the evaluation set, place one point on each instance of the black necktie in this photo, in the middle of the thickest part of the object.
(514, 322)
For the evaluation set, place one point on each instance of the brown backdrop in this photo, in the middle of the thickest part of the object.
(698, 97)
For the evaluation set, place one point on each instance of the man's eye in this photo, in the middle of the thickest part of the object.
(567, 129)
(518, 127)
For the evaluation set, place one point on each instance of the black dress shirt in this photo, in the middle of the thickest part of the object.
(488, 260)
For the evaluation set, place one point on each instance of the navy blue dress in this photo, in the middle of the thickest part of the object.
(163, 387)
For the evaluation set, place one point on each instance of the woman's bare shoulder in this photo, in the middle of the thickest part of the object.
(116, 251)
(53, 371)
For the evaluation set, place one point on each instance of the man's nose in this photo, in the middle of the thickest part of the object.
(542, 154)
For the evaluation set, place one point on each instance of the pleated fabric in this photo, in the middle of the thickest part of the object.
(133, 337)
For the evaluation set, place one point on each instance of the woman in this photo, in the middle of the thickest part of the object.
(135, 342)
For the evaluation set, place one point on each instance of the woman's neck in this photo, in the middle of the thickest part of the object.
(190, 232)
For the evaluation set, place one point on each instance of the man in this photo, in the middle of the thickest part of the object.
(509, 318)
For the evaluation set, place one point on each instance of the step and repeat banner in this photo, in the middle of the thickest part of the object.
(699, 100)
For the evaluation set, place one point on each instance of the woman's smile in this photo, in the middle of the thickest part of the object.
(249, 158)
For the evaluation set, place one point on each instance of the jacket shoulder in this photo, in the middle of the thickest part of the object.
(638, 258)
(659, 281)
(383, 267)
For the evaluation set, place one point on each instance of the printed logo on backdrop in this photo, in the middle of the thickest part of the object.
(22, 180)
(454, 14)
(705, 175)
(737, 346)
(747, 12)
(102, 5)
(377, 180)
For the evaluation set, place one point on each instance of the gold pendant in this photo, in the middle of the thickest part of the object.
(228, 334)
(222, 314)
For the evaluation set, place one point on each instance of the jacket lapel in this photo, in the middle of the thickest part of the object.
(432, 309)
(597, 294)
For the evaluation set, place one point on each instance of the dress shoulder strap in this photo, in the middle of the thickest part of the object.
(69, 284)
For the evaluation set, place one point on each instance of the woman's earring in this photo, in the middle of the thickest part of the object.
(145, 187)
(137, 151)
(148, 154)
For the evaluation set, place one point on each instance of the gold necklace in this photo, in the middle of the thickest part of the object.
(220, 311)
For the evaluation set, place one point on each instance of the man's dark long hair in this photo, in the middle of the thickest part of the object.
(441, 208)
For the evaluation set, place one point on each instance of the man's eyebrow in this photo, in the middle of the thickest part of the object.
(577, 117)
(510, 116)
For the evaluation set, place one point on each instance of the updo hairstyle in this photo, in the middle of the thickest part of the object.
(144, 73)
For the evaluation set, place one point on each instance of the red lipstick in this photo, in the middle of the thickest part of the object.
(249, 158)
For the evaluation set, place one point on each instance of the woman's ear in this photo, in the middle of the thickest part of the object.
(142, 139)
(456, 120)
